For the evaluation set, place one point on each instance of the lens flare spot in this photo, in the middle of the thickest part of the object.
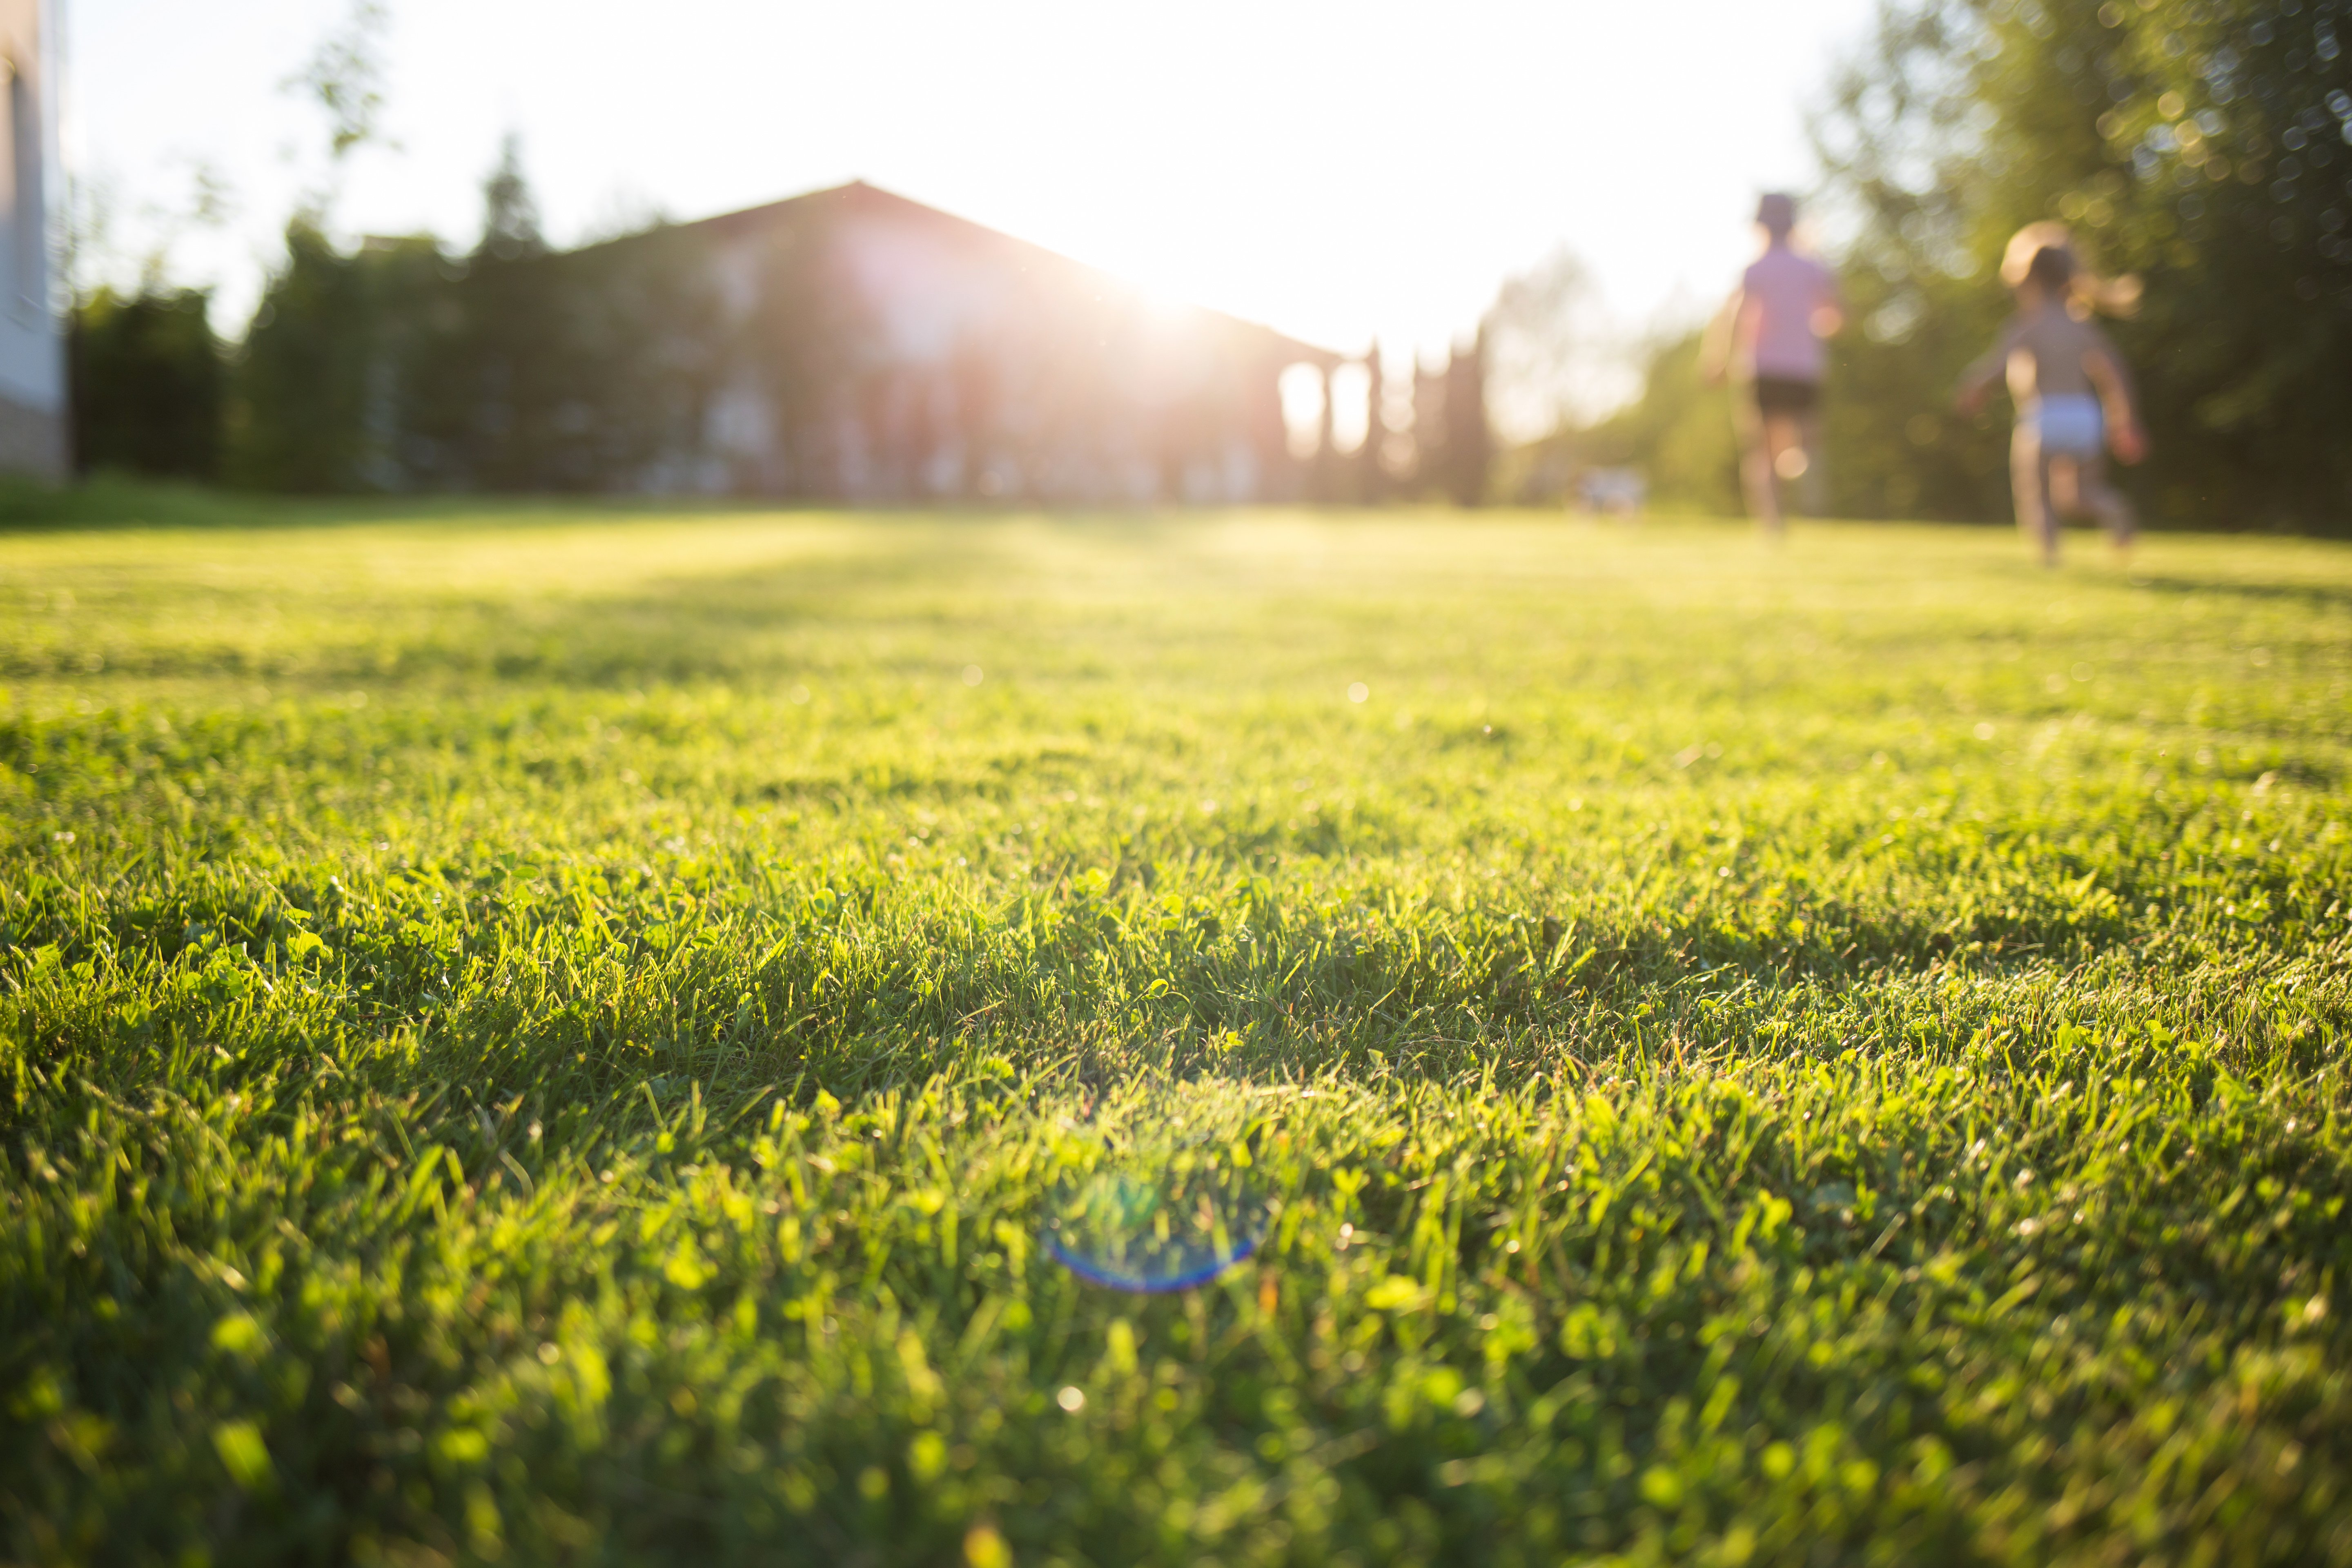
(1159, 1197)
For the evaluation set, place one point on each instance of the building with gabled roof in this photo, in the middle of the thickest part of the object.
(872, 348)
(847, 344)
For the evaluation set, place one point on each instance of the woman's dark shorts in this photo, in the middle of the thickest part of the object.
(1778, 395)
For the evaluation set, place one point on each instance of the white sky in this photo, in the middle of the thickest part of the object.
(1337, 170)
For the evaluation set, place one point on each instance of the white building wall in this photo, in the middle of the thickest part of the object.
(32, 346)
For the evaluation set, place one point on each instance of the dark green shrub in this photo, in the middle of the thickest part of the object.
(147, 380)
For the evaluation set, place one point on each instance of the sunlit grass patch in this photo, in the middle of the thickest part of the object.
(559, 1037)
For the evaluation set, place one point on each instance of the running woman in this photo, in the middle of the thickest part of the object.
(1768, 337)
(2073, 396)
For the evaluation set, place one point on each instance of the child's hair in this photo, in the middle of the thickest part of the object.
(2043, 255)
(2051, 268)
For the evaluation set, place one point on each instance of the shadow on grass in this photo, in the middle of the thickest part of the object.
(108, 501)
(2319, 597)
(112, 501)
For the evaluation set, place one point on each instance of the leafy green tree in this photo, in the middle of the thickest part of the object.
(498, 390)
(1469, 450)
(510, 212)
(316, 396)
(297, 414)
(398, 366)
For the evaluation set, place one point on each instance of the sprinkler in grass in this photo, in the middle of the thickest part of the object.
(1159, 1194)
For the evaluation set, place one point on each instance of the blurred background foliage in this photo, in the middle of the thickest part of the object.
(2201, 144)
(2204, 145)
(399, 365)
(147, 384)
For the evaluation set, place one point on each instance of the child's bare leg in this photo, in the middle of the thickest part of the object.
(2065, 486)
(1812, 492)
(2029, 481)
(1786, 438)
(1756, 466)
(2107, 504)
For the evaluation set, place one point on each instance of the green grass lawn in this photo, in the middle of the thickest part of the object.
(588, 1036)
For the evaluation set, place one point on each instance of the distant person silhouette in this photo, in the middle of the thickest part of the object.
(2073, 396)
(1768, 339)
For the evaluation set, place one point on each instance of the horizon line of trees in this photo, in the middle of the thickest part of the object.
(399, 365)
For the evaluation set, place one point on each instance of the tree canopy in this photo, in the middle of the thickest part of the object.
(2200, 145)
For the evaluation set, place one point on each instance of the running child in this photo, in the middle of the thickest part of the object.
(1768, 338)
(2073, 398)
